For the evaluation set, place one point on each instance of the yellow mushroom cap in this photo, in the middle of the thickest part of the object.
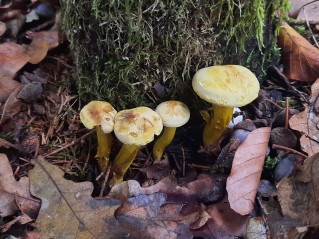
(98, 113)
(173, 113)
(137, 126)
(227, 85)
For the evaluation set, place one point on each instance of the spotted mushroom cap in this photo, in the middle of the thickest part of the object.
(137, 126)
(226, 85)
(173, 113)
(98, 113)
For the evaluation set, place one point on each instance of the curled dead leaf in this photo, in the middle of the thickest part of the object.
(15, 195)
(299, 57)
(12, 58)
(7, 86)
(243, 181)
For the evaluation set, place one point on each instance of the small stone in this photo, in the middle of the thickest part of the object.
(285, 167)
(30, 92)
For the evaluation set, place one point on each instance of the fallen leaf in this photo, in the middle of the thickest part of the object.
(300, 59)
(243, 181)
(23, 219)
(307, 122)
(206, 188)
(41, 43)
(12, 106)
(296, 6)
(68, 209)
(152, 215)
(299, 195)
(12, 58)
(7, 86)
(309, 13)
(15, 194)
(223, 222)
(3, 28)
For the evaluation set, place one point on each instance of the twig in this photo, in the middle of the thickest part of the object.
(68, 145)
(107, 174)
(276, 146)
(191, 165)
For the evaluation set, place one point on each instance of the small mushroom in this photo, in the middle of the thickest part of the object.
(100, 115)
(174, 114)
(134, 128)
(226, 87)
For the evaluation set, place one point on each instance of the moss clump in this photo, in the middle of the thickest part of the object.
(122, 48)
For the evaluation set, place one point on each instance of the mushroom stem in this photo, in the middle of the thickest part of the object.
(216, 124)
(163, 141)
(122, 162)
(104, 141)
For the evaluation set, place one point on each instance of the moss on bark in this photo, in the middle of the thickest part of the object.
(141, 52)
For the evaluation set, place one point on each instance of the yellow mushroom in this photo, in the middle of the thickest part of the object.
(174, 114)
(134, 128)
(100, 115)
(226, 87)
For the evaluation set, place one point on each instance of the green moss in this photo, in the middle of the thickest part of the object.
(122, 48)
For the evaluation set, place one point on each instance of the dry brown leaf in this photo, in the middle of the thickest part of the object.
(22, 219)
(223, 222)
(14, 192)
(206, 188)
(12, 106)
(299, 57)
(309, 13)
(154, 218)
(307, 122)
(243, 181)
(41, 43)
(299, 195)
(7, 86)
(68, 209)
(297, 5)
(12, 58)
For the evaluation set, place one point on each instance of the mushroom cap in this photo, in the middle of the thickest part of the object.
(137, 126)
(227, 85)
(98, 113)
(173, 113)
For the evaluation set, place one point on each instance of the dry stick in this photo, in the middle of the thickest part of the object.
(287, 113)
(68, 145)
(105, 179)
(276, 146)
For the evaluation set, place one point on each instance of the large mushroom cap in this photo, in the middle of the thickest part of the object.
(173, 113)
(98, 113)
(137, 126)
(228, 85)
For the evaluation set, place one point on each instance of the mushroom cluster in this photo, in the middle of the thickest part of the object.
(225, 87)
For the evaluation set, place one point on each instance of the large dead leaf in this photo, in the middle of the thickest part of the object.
(307, 122)
(7, 86)
(15, 195)
(223, 222)
(299, 57)
(297, 5)
(68, 209)
(152, 215)
(299, 195)
(41, 43)
(309, 13)
(243, 181)
(12, 58)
